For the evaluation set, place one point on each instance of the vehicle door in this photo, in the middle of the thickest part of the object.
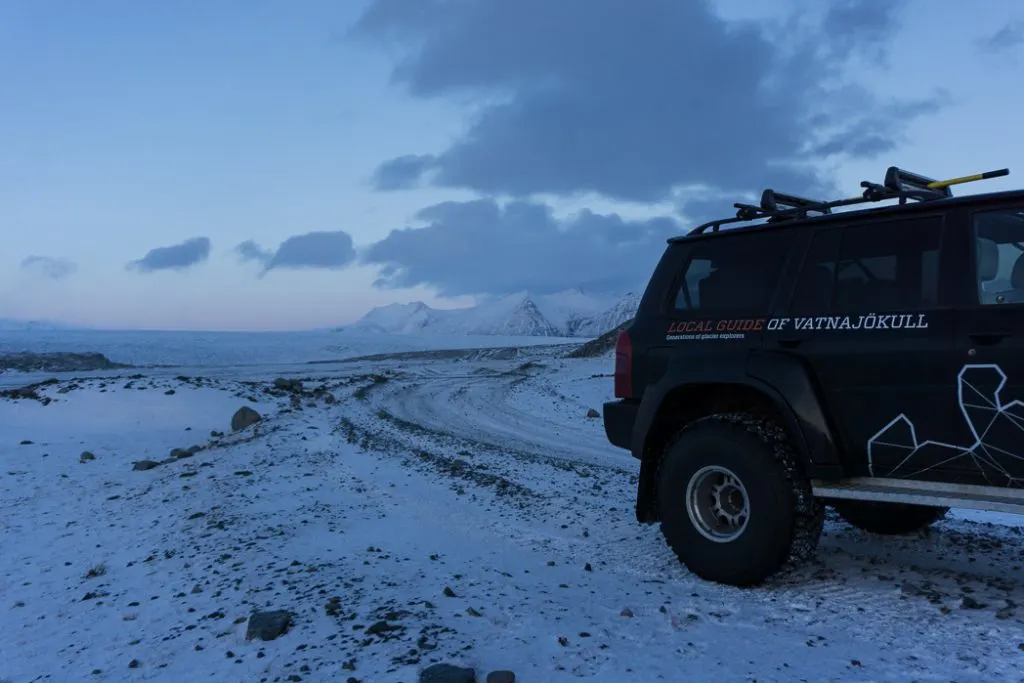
(718, 305)
(991, 339)
(868, 319)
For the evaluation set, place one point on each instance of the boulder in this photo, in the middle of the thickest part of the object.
(288, 384)
(268, 625)
(447, 673)
(244, 417)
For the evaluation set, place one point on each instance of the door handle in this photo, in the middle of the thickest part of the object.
(988, 338)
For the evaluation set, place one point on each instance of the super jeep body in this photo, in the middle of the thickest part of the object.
(871, 359)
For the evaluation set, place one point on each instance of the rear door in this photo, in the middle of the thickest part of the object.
(869, 319)
(717, 307)
(991, 339)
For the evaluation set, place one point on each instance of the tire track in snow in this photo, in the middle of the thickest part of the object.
(889, 590)
(480, 408)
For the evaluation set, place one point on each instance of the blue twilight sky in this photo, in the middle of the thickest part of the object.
(256, 164)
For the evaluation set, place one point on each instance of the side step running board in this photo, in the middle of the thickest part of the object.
(991, 498)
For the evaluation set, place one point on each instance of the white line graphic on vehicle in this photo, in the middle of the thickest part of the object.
(997, 428)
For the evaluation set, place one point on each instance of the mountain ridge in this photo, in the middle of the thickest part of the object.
(570, 313)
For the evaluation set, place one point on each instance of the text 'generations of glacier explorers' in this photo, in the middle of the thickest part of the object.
(739, 328)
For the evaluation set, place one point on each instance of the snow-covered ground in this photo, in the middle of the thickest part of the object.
(244, 349)
(421, 510)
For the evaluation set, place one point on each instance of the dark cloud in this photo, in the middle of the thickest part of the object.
(49, 266)
(175, 257)
(479, 247)
(250, 251)
(403, 172)
(330, 250)
(1007, 38)
(633, 100)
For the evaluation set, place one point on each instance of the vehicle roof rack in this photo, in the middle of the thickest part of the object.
(898, 184)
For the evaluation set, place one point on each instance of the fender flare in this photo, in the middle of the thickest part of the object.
(783, 378)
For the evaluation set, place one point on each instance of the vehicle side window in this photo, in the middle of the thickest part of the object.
(814, 286)
(865, 268)
(733, 275)
(999, 256)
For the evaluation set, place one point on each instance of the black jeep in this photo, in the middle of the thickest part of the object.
(870, 359)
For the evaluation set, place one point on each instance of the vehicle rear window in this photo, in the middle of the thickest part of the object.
(735, 274)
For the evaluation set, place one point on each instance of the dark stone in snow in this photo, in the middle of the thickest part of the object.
(244, 417)
(268, 625)
(288, 384)
(501, 677)
(143, 465)
(591, 413)
(447, 673)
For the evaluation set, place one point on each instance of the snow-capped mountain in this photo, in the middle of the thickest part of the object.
(572, 313)
(596, 325)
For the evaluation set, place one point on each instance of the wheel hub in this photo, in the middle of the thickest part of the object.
(717, 504)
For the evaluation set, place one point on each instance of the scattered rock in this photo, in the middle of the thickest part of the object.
(591, 413)
(447, 673)
(170, 392)
(268, 625)
(179, 453)
(970, 603)
(143, 465)
(26, 442)
(59, 361)
(626, 612)
(382, 627)
(29, 392)
(244, 417)
(86, 456)
(96, 571)
(288, 384)
(501, 677)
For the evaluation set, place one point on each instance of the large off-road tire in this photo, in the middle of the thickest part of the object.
(766, 517)
(887, 518)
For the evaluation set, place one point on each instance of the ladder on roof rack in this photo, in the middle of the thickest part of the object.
(898, 184)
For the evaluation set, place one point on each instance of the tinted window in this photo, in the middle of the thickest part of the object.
(813, 294)
(999, 250)
(733, 275)
(865, 268)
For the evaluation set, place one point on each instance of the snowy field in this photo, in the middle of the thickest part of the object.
(420, 510)
(243, 349)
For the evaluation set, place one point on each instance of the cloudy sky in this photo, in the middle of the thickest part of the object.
(269, 165)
